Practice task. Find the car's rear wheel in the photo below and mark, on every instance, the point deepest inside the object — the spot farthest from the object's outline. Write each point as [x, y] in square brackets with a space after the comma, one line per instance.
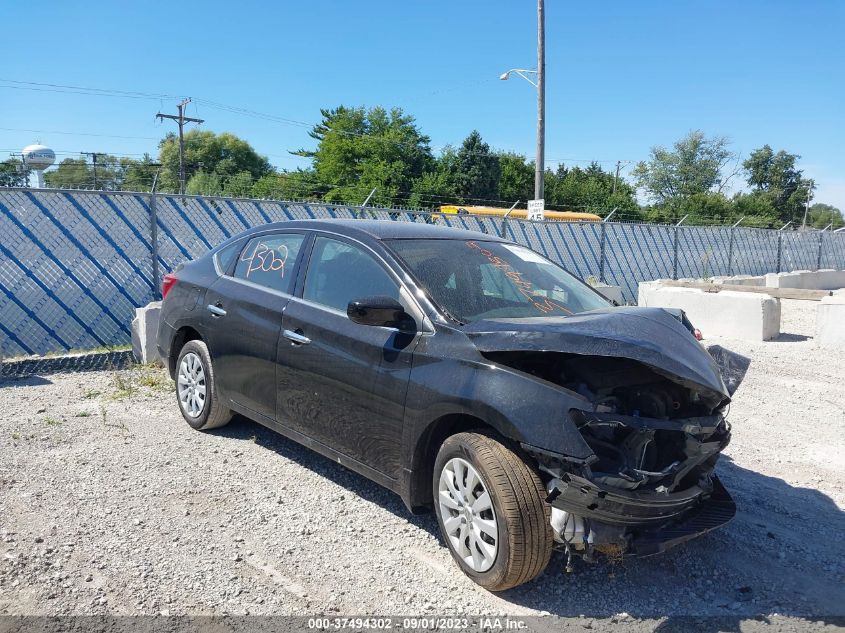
[196, 391]
[491, 510]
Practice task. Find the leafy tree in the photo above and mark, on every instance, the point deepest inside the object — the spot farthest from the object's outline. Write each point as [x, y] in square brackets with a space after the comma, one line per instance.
[437, 187]
[138, 175]
[12, 174]
[588, 189]
[755, 209]
[775, 179]
[516, 178]
[360, 149]
[224, 154]
[477, 170]
[203, 183]
[823, 214]
[696, 164]
[288, 185]
[239, 185]
[71, 173]
[112, 174]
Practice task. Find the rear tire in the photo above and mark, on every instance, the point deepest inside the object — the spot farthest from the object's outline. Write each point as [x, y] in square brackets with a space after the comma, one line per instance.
[196, 389]
[518, 513]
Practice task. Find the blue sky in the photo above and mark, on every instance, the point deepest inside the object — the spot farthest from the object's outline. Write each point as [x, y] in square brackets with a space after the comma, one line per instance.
[621, 76]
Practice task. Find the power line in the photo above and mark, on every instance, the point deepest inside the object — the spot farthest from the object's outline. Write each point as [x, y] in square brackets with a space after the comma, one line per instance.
[143, 138]
[31, 85]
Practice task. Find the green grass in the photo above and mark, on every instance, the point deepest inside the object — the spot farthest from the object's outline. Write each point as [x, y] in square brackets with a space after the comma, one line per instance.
[83, 414]
[91, 393]
[50, 421]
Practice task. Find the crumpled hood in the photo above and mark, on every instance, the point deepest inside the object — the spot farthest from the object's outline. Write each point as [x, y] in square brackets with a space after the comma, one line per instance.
[652, 336]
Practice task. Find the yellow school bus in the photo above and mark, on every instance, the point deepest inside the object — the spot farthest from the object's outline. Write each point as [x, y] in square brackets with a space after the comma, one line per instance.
[521, 214]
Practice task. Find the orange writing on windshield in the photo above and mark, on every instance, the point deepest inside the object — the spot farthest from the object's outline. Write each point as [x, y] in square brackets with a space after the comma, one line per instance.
[525, 287]
[266, 259]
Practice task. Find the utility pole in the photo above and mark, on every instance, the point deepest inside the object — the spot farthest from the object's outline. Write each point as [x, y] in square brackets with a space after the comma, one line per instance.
[541, 100]
[807, 206]
[619, 164]
[93, 156]
[616, 177]
[181, 119]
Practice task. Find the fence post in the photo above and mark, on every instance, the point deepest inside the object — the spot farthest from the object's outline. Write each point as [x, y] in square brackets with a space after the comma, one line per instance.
[675, 255]
[819, 258]
[601, 252]
[780, 246]
[731, 251]
[154, 246]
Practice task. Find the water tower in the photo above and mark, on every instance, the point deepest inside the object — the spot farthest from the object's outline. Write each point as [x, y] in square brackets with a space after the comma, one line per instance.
[38, 158]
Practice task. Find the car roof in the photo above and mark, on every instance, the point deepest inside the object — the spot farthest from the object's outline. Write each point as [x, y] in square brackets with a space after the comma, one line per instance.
[385, 229]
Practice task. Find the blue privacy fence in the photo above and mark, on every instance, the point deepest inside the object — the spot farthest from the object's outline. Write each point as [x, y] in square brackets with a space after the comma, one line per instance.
[75, 264]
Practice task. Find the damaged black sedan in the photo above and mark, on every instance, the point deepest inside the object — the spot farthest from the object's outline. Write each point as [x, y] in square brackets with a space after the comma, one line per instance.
[467, 373]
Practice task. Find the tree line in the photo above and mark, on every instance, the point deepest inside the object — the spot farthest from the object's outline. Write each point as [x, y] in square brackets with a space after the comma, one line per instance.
[358, 150]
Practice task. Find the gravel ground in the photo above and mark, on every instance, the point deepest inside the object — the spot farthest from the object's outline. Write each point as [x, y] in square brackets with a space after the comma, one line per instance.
[111, 504]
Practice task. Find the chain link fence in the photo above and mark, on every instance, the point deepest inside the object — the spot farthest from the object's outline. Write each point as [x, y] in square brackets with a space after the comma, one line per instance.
[75, 264]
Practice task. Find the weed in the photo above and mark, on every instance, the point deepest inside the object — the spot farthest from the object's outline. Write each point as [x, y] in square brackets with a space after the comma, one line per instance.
[49, 421]
[90, 393]
[124, 384]
[16, 435]
[154, 380]
[116, 425]
[83, 414]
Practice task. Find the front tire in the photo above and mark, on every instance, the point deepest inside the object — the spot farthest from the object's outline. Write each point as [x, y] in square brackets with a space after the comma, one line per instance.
[196, 390]
[491, 510]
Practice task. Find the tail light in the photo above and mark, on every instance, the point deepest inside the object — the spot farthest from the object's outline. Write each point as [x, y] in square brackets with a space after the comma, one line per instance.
[167, 282]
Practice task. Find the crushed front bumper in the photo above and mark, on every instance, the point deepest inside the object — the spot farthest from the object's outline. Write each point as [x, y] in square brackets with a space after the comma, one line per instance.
[643, 523]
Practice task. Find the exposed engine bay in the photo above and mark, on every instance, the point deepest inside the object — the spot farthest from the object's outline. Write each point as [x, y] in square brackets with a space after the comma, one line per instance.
[655, 439]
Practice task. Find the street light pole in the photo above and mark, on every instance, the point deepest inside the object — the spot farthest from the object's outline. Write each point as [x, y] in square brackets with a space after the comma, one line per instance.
[540, 85]
[541, 101]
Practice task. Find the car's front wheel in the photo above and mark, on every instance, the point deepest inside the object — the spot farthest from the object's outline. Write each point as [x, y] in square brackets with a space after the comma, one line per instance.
[196, 390]
[491, 509]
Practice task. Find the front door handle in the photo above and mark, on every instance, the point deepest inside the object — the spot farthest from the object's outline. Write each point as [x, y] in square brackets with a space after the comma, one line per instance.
[216, 310]
[296, 337]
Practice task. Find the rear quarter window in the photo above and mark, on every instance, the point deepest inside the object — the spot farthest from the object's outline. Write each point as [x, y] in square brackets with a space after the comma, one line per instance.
[226, 256]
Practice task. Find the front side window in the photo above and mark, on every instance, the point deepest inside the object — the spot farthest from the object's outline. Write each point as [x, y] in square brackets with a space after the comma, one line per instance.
[473, 280]
[340, 272]
[268, 260]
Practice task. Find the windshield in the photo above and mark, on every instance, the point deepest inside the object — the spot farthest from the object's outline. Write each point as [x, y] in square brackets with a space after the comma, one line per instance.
[474, 280]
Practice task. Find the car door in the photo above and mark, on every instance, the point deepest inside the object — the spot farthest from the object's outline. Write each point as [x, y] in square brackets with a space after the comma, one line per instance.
[244, 319]
[342, 383]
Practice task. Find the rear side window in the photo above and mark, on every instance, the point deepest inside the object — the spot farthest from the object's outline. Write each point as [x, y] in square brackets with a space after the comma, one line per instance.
[269, 261]
[225, 256]
[340, 272]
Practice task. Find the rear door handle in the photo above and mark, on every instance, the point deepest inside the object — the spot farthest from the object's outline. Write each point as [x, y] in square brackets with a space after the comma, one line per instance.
[216, 310]
[296, 338]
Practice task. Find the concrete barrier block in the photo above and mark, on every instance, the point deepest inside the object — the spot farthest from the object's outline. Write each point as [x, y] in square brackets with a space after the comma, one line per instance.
[830, 322]
[614, 293]
[741, 280]
[826, 279]
[145, 332]
[731, 314]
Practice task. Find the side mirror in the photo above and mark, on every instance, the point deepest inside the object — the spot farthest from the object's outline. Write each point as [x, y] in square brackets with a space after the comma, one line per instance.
[381, 311]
